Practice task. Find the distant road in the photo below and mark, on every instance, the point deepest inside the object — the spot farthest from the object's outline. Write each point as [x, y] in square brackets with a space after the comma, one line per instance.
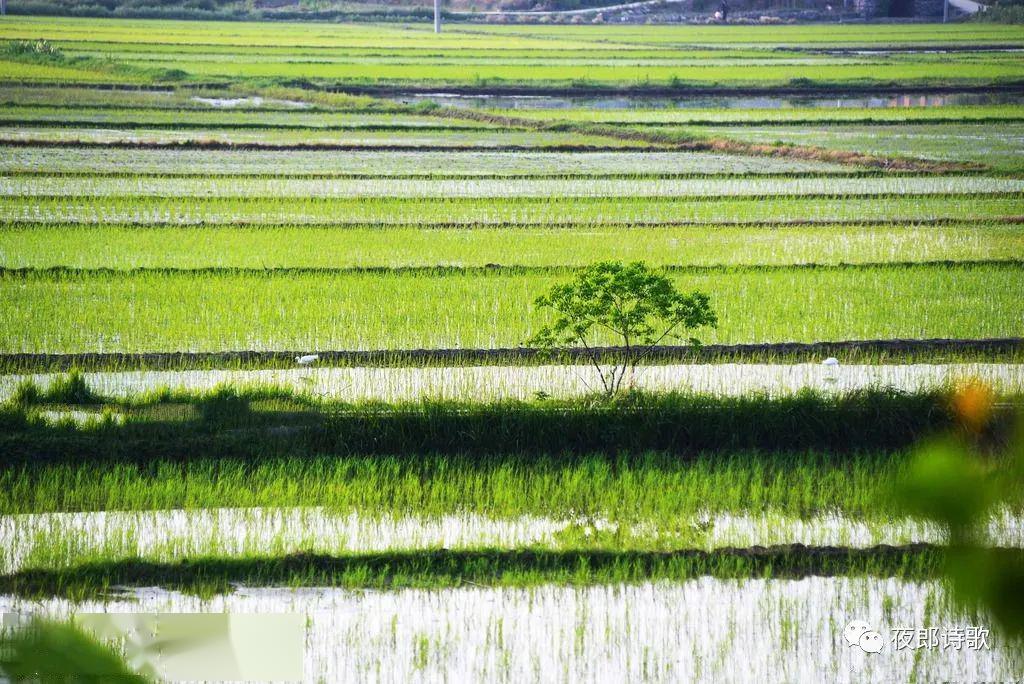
[966, 6]
[588, 10]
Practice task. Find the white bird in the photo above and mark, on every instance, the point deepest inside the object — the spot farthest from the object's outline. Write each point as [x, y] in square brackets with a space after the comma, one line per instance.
[307, 360]
[830, 361]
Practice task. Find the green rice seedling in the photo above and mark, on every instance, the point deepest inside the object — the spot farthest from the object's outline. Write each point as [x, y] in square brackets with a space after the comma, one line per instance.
[43, 246]
[610, 73]
[153, 311]
[128, 186]
[666, 116]
[187, 115]
[25, 394]
[995, 145]
[650, 486]
[224, 407]
[69, 389]
[455, 138]
[530, 211]
[183, 161]
[391, 56]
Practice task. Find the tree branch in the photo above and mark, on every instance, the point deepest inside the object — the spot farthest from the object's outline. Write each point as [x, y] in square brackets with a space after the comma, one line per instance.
[593, 359]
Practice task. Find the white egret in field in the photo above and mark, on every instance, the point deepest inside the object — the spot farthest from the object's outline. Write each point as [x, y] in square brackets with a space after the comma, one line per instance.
[831, 364]
[307, 359]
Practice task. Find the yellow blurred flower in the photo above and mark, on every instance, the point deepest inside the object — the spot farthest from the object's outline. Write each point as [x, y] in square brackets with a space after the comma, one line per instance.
[973, 401]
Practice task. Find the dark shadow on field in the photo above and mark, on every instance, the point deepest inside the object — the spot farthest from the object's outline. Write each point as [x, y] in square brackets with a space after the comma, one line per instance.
[225, 423]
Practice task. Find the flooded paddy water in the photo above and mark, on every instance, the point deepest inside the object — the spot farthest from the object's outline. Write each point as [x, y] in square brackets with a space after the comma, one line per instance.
[62, 539]
[524, 382]
[701, 630]
[759, 101]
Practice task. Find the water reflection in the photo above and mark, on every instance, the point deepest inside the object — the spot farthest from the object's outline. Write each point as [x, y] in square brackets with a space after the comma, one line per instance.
[483, 101]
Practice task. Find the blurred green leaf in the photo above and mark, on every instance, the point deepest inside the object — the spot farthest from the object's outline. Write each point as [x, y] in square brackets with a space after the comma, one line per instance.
[46, 652]
[950, 483]
[946, 484]
[992, 578]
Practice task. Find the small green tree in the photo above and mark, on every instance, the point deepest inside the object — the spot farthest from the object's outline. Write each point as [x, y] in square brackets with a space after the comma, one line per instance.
[633, 303]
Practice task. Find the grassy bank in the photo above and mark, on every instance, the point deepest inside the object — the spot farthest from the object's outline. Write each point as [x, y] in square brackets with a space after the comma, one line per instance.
[443, 569]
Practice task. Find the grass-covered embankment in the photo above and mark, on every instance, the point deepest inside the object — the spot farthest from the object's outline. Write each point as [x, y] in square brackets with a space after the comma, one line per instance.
[1007, 350]
[443, 569]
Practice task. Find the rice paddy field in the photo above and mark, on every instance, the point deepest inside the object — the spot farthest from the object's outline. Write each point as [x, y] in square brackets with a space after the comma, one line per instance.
[189, 208]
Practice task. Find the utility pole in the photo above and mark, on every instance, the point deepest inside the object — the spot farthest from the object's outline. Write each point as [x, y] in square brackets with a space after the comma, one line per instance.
[945, 11]
[3, 7]
[437, 15]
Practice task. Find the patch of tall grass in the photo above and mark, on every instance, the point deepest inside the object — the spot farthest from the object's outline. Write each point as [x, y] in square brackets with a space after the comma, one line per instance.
[66, 389]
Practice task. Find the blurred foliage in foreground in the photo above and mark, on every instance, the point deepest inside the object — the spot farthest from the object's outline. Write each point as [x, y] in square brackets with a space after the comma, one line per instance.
[44, 652]
[957, 480]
